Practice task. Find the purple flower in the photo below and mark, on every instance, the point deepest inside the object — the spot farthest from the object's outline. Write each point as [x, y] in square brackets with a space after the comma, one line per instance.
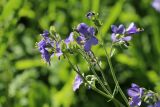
[136, 101]
[69, 39]
[42, 44]
[45, 55]
[118, 30]
[45, 46]
[58, 50]
[121, 34]
[156, 5]
[45, 34]
[117, 38]
[135, 92]
[87, 36]
[157, 104]
[42, 49]
[89, 15]
[48, 40]
[132, 29]
[118, 33]
[82, 28]
[77, 82]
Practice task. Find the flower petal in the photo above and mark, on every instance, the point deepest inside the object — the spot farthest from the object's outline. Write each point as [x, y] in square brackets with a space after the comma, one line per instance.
[45, 34]
[156, 5]
[69, 39]
[113, 37]
[121, 29]
[58, 50]
[91, 31]
[133, 85]
[82, 29]
[136, 101]
[157, 104]
[127, 38]
[114, 28]
[132, 92]
[92, 41]
[77, 82]
[80, 40]
[132, 29]
[45, 55]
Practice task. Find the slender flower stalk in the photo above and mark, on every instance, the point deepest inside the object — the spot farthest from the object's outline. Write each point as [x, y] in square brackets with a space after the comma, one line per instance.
[99, 80]
[94, 72]
[102, 73]
[93, 87]
[114, 77]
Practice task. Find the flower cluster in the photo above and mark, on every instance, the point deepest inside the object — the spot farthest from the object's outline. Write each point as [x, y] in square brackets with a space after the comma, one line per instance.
[138, 94]
[49, 47]
[122, 35]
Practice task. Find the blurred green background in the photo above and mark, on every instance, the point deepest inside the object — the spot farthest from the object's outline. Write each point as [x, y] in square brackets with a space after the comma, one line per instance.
[26, 81]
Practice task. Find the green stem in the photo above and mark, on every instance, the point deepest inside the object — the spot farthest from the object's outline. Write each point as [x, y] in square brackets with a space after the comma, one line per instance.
[94, 72]
[94, 88]
[101, 83]
[114, 77]
[111, 50]
[105, 95]
[102, 73]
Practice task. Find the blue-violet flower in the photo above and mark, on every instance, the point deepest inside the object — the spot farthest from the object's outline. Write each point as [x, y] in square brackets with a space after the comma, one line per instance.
[69, 39]
[136, 93]
[156, 5]
[120, 33]
[77, 82]
[42, 49]
[87, 36]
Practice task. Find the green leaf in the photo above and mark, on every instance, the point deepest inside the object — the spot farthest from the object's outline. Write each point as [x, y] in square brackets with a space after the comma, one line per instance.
[28, 63]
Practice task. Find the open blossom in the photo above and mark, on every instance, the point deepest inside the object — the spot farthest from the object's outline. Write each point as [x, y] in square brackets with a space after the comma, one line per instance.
[120, 33]
[87, 36]
[135, 93]
[77, 82]
[156, 5]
